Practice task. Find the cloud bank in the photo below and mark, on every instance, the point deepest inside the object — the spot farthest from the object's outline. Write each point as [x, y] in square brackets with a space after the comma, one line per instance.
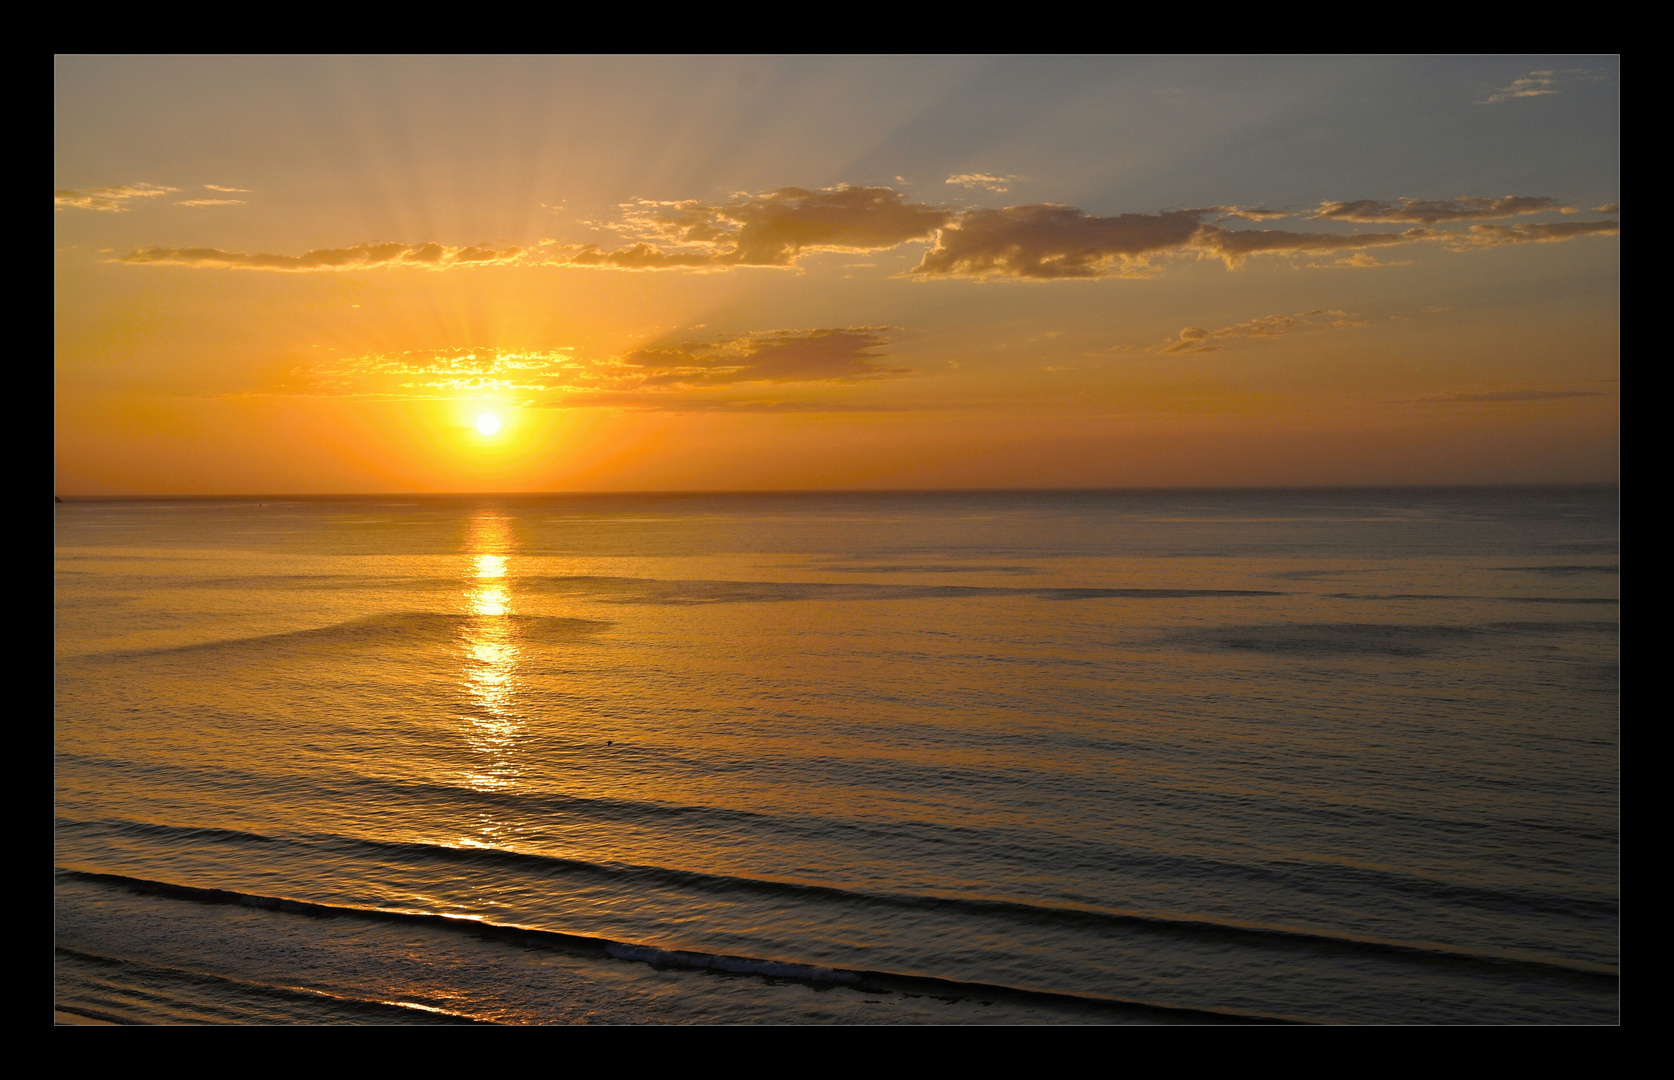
[1040, 242]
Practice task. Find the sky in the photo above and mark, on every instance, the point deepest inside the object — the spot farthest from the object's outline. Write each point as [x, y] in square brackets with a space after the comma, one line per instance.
[459, 274]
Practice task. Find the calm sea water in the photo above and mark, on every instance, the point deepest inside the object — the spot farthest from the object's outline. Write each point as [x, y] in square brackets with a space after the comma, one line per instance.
[1344, 756]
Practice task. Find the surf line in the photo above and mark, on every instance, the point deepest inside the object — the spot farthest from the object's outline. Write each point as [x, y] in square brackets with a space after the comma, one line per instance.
[865, 981]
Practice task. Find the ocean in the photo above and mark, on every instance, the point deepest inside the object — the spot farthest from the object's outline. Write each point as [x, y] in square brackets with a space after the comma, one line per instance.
[1336, 756]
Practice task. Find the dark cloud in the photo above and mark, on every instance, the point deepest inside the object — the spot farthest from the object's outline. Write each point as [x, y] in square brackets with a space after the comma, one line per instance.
[1052, 242]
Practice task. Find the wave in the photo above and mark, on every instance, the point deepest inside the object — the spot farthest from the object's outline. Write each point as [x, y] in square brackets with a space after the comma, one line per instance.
[627, 590]
[1247, 935]
[1355, 883]
[1385, 639]
[1501, 599]
[925, 568]
[861, 979]
[392, 628]
[151, 972]
[1325, 639]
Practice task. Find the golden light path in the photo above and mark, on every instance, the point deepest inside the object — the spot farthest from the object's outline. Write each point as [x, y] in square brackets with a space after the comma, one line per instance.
[489, 657]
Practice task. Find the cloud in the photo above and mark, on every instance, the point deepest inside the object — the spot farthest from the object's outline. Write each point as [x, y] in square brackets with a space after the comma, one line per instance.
[1054, 242]
[1234, 246]
[1535, 233]
[1534, 84]
[1436, 211]
[210, 202]
[831, 355]
[1195, 339]
[1043, 242]
[233, 190]
[662, 371]
[444, 373]
[769, 229]
[1252, 213]
[107, 198]
[1608, 208]
[690, 404]
[983, 181]
[1358, 261]
[360, 257]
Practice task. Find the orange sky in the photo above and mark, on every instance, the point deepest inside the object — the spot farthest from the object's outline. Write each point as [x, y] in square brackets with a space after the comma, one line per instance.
[299, 275]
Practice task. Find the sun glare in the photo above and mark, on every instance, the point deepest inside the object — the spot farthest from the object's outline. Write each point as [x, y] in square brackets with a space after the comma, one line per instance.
[488, 423]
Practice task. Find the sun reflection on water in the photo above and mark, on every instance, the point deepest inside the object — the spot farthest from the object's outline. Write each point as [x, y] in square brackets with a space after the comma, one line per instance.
[490, 658]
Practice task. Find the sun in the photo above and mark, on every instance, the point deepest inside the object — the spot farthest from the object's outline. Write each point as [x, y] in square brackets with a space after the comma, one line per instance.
[488, 423]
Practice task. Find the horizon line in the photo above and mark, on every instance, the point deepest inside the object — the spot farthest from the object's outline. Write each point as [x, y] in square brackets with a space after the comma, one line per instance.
[578, 492]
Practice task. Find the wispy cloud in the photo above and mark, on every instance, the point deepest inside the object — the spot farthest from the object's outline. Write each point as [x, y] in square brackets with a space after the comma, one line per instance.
[1534, 84]
[210, 202]
[231, 190]
[1234, 246]
[1436, 211]
[1534, 233]
[684, 403]
[661, 371]
[107, 198]
[832, 355]
[1253, 213]
[1196, 339]
[1360, 260]
[984, 181]
[359, 257]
